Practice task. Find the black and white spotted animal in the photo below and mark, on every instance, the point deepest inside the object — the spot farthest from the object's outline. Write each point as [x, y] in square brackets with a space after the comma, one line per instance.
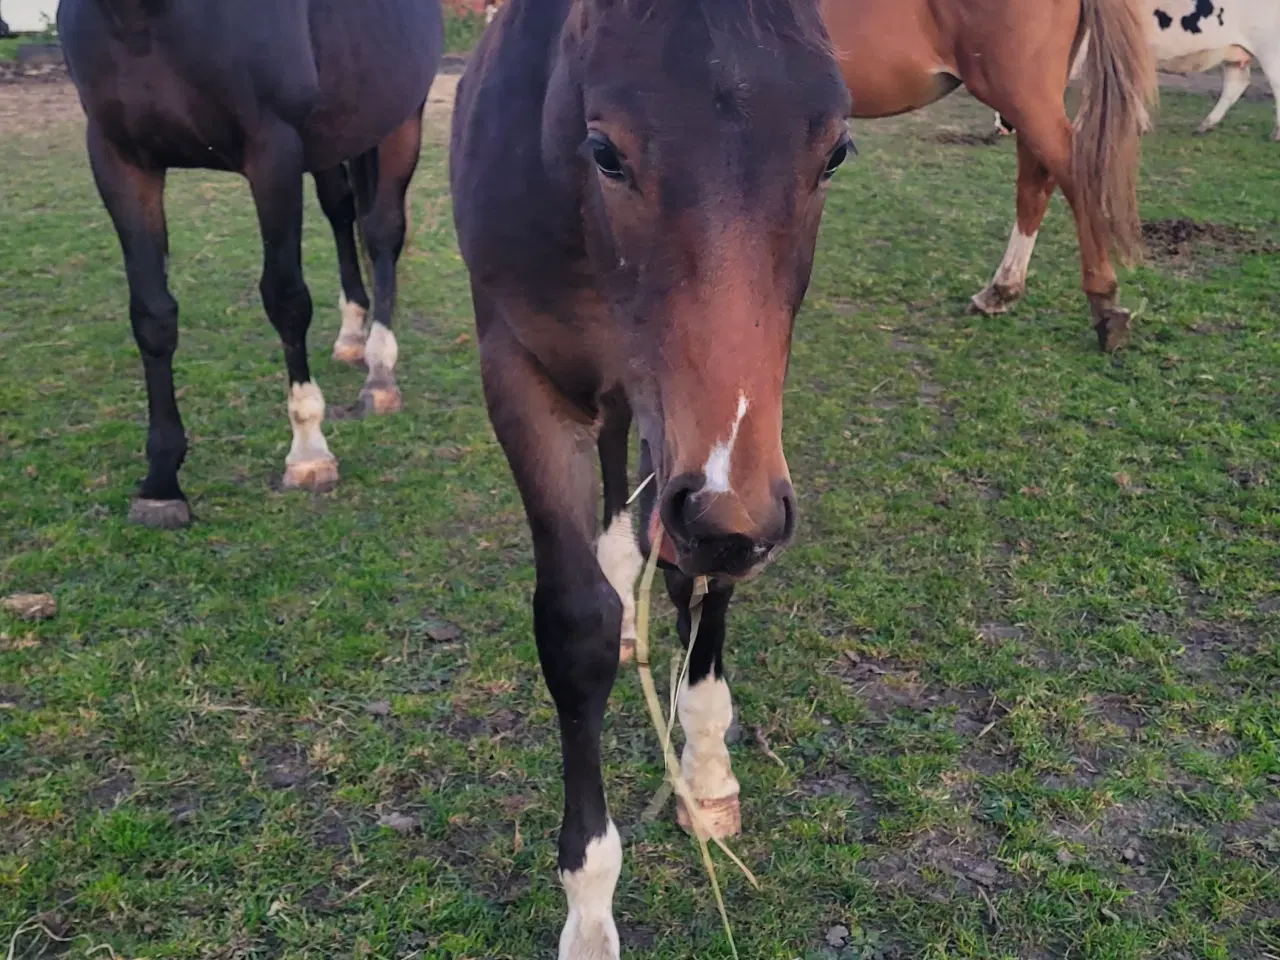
[1192, 36]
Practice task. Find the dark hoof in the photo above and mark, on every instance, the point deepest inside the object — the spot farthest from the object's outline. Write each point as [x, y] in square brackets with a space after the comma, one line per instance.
[160, 514]
[1113, 329]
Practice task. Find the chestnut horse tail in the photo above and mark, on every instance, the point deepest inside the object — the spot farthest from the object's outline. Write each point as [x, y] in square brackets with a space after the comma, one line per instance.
[1119, 82]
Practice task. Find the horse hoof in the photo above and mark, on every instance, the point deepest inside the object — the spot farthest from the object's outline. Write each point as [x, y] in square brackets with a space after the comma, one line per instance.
[1112, 328]
[1276, 135]
[350, 352]
[721, 817]
[315, 475]
[993, 300]
[627, 650]
[381, 400]
[160, 514]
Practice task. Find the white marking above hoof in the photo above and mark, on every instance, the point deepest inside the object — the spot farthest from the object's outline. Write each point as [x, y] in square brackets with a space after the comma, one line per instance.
[310, 465]
[619, 557]
[349, 347]
[589, 931]
[706, 713]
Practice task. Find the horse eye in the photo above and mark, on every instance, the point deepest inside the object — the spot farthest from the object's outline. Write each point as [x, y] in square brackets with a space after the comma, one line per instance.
[838, 156]
[605, 154]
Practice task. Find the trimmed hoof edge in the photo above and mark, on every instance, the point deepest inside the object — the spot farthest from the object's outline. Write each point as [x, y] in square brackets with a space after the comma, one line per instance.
[160, 514]
[317, 476]
[350, 352]
[721, 816]
[993, 300]
[627, 650]
[381, 400]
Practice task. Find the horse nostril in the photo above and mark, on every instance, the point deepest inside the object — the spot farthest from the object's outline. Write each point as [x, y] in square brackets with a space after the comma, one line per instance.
[788, 498]
[676, 501]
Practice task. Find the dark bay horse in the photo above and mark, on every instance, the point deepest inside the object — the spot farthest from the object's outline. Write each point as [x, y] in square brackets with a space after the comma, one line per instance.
[1014, 56]
[271, 91]
[637, 187]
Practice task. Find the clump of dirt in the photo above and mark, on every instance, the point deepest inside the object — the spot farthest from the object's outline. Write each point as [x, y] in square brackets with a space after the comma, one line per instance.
[1180, 241]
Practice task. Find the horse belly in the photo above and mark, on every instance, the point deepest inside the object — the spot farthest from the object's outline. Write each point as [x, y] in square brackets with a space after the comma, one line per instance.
[889, 54]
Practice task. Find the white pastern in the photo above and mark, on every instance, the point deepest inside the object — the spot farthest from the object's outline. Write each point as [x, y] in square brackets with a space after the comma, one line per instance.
[352, 320]
[706, 712]
[589, 932]
[619, 558]
[719, 465]
[381, 352]
[1017, 258]
[306, 413]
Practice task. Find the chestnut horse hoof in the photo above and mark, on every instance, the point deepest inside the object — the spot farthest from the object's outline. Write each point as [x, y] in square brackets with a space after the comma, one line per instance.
[993, 300]
[160, 514]
[722, 817]
[1113, 328]
[350, 352]
[315, 475]
[381, 400]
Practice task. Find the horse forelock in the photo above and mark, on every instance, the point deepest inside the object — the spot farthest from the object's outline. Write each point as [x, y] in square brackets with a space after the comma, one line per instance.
[794, 20]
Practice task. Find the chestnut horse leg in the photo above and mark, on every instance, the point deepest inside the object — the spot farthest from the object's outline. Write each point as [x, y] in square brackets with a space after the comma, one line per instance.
[1035, 187]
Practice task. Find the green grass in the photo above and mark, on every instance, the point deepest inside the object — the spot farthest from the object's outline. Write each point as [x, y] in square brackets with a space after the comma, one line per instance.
[9, 47]
[462, 30]
[1057, 573]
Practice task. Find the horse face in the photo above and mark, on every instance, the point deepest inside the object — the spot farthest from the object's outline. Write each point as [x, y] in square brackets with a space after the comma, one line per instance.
[703, 196]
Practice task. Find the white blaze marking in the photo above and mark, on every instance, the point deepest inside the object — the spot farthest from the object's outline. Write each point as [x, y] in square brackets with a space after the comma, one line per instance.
[306, 413]
[352, 320]
[619, 558]
[1017, 257]
[720, 462]
[381, 351]
[589, 932]
[706, 711]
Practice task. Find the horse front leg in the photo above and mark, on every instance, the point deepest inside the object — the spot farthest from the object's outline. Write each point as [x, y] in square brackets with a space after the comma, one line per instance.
[384, 228]
[337, 200]
[577, 617]
[275, 170]
[705, 709]
[134, 198]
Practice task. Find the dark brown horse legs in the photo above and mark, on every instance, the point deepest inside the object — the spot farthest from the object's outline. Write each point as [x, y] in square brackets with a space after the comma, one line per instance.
[1035, 187]
[577, 618]
[275, 176]
[135, 200]
[337, 200]
[384, 230]
[706, 709]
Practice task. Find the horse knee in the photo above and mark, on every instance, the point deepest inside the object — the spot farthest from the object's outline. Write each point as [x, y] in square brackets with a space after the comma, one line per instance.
[578, 631]
[155, 326]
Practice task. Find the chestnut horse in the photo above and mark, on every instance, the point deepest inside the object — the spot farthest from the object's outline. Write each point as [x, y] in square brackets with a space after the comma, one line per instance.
[271, 91]
[1014, 56]
[637, 188]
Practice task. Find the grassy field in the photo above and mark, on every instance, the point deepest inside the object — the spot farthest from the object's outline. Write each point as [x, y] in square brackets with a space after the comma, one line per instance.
[1020, 669]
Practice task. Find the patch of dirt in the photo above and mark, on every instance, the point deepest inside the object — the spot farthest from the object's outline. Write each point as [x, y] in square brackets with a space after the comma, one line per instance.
[29, 108]
[112, 791]
[332, 830]
[286, 766]
[942, 866]
[1182, 243]
[501, 723]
